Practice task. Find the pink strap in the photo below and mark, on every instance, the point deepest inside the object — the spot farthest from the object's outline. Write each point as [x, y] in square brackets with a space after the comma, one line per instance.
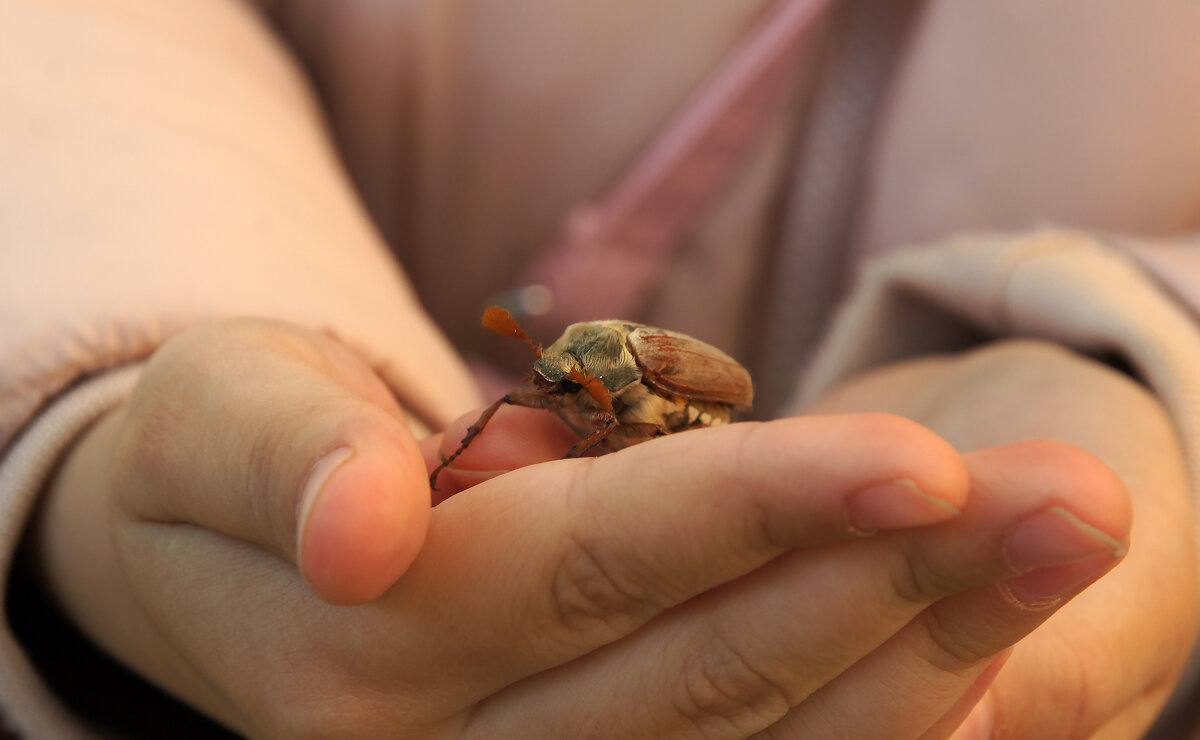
[611, 252]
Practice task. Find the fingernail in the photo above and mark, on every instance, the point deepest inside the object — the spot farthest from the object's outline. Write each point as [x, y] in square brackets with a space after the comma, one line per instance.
[1056, 552]
[314, 482]
[896, 504]
[1045, 587]
[1056, 536]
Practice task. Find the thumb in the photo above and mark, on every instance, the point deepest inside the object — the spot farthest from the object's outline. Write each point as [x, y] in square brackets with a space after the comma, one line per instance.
[360, 511]
[238, 432]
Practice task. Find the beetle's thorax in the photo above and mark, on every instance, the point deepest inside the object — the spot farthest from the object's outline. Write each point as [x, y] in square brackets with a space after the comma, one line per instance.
[593, 347]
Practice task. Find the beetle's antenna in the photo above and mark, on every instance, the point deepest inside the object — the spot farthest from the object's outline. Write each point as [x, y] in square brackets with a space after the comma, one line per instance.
[595, 387]
[502, 322]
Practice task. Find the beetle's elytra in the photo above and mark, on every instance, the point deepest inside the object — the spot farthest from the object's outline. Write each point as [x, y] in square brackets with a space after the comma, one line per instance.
[617, 383]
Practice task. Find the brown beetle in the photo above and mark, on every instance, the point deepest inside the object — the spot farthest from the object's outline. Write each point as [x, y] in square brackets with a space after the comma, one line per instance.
[617, 383]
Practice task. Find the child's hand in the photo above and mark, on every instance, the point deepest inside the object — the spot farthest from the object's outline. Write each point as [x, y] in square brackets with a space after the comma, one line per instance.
[917, 621]
[1104, 665]
[707, 584]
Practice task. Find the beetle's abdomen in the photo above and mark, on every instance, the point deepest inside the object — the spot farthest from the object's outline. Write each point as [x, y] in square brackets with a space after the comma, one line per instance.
[640, 404]
[705, 414]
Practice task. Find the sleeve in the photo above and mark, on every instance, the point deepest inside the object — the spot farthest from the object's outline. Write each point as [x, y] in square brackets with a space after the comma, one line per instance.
[161, 165]
[1098, 295]
[29, 707]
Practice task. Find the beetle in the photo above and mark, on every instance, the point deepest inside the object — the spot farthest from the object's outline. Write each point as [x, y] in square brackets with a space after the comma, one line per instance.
[617, 383]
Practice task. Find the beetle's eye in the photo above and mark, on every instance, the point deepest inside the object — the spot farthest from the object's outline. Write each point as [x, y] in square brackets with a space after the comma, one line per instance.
[570, 386]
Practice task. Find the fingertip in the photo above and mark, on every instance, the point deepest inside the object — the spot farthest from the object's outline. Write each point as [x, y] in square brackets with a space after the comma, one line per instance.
[907, 451]
[1060, 474]
[1097, 487]
[366, 524]
[514, 438]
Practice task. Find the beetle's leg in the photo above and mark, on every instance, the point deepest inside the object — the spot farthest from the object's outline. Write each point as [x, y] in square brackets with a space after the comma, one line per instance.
[472, 432]
[534, 399]
[582, 446]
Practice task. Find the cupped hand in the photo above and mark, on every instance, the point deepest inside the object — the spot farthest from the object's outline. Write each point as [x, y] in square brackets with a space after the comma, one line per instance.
[1103, 665]
[252, 531]
[896, 635]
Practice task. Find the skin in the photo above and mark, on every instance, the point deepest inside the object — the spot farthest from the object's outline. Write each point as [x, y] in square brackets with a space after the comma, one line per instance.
[719, 583]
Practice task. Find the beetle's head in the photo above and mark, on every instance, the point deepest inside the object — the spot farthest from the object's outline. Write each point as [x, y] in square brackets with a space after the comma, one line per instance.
[551, 370]
[589, 356]
[590, 348]
[570, 379]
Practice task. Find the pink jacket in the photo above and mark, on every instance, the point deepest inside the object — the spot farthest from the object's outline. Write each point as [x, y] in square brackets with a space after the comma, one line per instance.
[162, 164]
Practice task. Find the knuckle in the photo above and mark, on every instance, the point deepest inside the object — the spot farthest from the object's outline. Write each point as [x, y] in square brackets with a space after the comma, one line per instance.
[1008, 350]
[1027, 360]
[594, 587]
[722, 691]
[189, 387]
[145, 444]
[914, 580]
[216, 348]
[949, 648]
[588, 590]
[265, 471]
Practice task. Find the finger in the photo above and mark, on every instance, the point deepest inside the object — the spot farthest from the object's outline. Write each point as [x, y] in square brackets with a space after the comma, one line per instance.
[805, 631]
[1066, 518]
[972, 707]
[1105, 664]
[277, 437]
[575, 554]
[515, 437]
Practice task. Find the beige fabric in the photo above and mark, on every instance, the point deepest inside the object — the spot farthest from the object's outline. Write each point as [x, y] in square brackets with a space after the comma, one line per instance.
[27, 464]
[165, 162]
[233, 202]
[502, 116]
[1010, 114]
[1015, 114]
[1062, 286]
